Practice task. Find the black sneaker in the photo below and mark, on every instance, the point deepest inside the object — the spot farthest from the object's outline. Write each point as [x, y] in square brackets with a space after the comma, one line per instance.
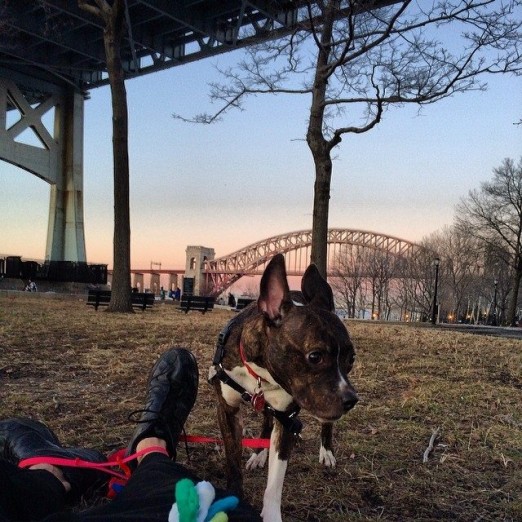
[22, 438]
[8, 428]
[171, 394]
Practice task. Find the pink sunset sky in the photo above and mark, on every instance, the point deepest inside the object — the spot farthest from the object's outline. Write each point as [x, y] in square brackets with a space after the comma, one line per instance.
[251, 176]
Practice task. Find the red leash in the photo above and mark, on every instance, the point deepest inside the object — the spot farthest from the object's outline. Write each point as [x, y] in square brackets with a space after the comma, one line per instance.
[247, 366]
[118, 460]
[247, 443]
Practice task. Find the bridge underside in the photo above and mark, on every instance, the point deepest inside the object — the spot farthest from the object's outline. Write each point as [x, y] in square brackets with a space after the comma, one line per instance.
[56, 41]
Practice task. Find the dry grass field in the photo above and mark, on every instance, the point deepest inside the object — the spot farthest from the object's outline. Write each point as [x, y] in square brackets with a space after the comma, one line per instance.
[83, 371]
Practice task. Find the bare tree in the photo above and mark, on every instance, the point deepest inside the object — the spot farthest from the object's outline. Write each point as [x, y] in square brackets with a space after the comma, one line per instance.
[496, 281]
[348, 276]
[494, 215]
[362, 300]
[421, 280]
[460, 259]
[356, 58]
[380, 269]
[403, 296]
[113, 16]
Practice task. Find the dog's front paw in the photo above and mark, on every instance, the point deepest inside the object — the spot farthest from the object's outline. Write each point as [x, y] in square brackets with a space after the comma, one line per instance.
[327, 458]
[271, 513]
[257, 460]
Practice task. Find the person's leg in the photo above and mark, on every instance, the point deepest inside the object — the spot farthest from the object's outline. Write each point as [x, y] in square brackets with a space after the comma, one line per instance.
[149, 494]
[148, 497]
[171, 393]
[32, 493]
[27, 494]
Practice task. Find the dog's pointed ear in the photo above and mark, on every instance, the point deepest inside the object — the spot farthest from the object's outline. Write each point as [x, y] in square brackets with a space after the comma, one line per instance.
[274, 289]
[316, 290]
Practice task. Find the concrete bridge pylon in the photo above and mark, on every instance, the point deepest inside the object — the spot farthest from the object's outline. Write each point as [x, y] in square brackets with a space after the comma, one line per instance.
[58, 160]
[194, 280]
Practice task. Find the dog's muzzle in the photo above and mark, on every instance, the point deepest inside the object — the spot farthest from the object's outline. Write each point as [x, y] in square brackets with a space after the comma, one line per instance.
[350, 401]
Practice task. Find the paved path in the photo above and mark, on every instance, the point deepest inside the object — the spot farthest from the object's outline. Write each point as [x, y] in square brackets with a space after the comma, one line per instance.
[498, 331]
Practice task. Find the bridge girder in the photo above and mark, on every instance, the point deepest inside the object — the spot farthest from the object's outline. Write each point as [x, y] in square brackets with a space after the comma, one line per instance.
[224, 271]
[55, 40]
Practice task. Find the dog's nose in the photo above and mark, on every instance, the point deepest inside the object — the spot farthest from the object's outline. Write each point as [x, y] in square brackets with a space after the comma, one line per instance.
[350, 401]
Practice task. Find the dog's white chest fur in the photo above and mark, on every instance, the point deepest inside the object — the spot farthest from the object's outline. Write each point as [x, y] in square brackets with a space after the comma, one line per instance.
[273, 393]
[279, 400]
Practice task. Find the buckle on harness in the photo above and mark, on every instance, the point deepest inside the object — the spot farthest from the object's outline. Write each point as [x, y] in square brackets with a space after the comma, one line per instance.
[258, 398]
[289, 420]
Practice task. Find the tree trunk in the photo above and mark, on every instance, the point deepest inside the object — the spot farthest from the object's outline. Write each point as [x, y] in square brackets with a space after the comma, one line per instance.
[319, 146]
[512, 310]
[121, 283]
[323, 177]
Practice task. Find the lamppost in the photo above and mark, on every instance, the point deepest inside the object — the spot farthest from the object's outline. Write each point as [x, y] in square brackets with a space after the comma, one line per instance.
[436, 262]
[495, 303]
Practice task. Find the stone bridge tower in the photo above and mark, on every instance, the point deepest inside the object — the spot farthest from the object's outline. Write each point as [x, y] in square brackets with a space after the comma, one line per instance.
[194, 280]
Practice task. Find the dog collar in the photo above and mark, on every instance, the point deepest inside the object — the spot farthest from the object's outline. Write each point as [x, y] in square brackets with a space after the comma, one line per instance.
[248, 367]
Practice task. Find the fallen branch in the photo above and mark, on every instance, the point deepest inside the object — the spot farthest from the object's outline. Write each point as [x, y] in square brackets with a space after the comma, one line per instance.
[429, 449]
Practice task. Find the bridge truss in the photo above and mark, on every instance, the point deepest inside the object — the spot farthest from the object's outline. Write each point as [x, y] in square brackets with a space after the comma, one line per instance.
[222, 272]
[56, 42]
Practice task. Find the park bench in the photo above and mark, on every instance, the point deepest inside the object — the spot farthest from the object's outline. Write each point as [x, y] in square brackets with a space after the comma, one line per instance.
[243, 302]
[99, 298]
[201, 303]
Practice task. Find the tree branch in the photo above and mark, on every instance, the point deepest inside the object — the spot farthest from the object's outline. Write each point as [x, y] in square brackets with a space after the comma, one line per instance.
[431, 443]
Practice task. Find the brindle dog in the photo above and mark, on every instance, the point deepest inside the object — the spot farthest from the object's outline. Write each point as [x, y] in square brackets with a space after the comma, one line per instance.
[288, 356]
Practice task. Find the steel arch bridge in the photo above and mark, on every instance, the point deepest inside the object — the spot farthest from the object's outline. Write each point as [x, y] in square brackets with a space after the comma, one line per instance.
[222, 272]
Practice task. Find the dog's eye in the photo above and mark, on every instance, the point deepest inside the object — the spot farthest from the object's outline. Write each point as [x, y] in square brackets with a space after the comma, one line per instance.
[315, 357]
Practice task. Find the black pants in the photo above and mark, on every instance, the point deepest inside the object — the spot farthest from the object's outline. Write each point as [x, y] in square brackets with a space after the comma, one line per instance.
[147, 497]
